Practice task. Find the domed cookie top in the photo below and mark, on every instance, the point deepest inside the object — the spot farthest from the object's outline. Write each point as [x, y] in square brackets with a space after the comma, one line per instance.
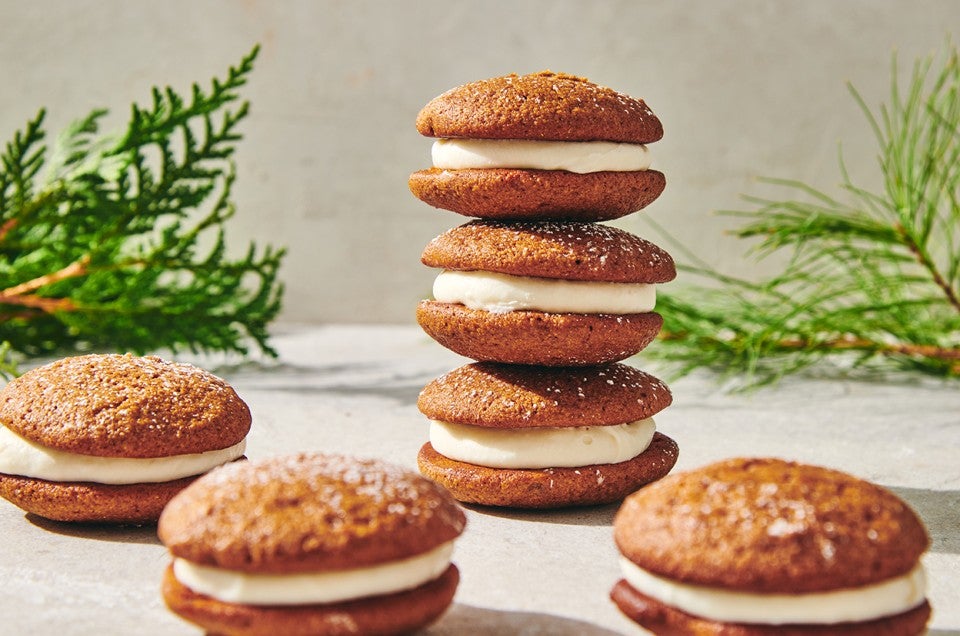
[563, 250]
[112, 405]
[547, 106]
[510, 396]
[769, 526]
[308, 512]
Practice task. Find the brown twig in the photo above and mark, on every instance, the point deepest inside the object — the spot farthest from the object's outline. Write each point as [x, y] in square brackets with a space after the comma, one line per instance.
[862, 344]
[925, 261]
[8, 225]
[23, 295]
[48, 305]
[856, 344]
[26, 314]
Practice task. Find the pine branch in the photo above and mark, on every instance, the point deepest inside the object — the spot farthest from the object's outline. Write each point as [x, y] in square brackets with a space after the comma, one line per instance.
[872, 279]
[122, 244]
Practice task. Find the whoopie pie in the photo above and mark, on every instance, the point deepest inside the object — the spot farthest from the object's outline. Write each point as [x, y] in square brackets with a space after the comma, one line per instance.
[112, 438]
[544, 145]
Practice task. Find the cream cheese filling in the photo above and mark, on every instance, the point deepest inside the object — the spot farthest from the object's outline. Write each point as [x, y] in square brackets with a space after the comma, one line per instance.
[314, 587]
[503, 293]
[573, 156]
[20, 456]
[870, 602]
[532, 448]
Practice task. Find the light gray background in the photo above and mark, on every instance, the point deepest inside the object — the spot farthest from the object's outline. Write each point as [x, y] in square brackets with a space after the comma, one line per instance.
[744, 88]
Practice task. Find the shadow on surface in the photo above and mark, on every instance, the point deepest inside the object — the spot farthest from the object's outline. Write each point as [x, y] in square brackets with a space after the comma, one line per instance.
[146, 534]
[480, 621]
[343, 380]
[402, 393]
[277, 369]
[940, 511]
[586, 516]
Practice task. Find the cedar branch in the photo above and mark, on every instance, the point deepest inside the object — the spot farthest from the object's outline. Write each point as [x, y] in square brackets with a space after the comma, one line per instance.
[154, 190]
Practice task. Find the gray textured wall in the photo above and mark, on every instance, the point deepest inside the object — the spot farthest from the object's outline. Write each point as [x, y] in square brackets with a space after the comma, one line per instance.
[744, 88]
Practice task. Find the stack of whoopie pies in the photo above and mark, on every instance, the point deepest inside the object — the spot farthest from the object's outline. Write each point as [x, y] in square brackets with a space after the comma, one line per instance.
[546, 298]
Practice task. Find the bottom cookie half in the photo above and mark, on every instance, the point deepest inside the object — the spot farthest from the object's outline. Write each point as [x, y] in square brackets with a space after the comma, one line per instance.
[89, 502]
[510, 193]
[536, 337]
[549, 487]
[398, 613]
[663, 619]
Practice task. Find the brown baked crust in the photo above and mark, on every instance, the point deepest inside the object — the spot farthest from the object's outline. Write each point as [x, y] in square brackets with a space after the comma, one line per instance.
[542, 105]
[88, 502]
[663, 619]
[547, 249]
[398, 613]
[308, 512]
[110, 405]
[549, 487]
[535, 337]
[811, 529]
[511, 396]
[515, 194]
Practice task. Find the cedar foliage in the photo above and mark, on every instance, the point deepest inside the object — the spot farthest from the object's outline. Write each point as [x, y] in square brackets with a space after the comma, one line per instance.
[118, 241]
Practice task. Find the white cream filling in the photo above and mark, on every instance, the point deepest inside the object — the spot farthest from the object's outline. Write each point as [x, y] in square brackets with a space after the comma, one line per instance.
[533, 448]
[314, 587]
[572, 156]
[19, 456]
[888, 598]
[503, 293]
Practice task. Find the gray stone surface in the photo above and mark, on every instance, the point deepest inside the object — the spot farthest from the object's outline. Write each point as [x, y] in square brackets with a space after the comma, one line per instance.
[353, 390]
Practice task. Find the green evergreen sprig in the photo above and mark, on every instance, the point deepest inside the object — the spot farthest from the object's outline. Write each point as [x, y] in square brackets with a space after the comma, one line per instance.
[118, 242]
[872, 278]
